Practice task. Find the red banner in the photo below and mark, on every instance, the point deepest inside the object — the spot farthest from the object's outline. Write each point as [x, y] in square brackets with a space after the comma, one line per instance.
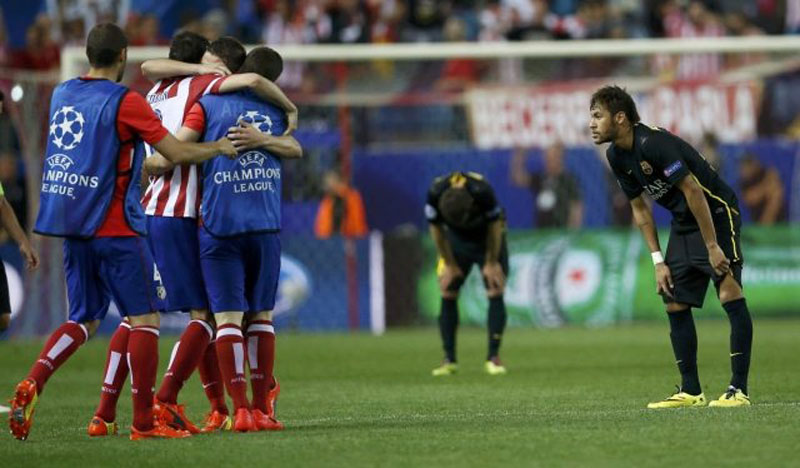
[541, 115]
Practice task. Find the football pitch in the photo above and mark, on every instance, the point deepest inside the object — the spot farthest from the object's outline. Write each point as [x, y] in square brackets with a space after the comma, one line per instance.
[573, 397]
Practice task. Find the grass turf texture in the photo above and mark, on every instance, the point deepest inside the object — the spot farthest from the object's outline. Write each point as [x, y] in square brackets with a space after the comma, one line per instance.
[572, 397]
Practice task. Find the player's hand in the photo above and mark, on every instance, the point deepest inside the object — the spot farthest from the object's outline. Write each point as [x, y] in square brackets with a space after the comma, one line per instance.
[291, 121]
[719, 262]
[30, 255]
[246, 137]
[227, 148]
[664, 280]
[448, 275]
[494, 276]
[212, 69]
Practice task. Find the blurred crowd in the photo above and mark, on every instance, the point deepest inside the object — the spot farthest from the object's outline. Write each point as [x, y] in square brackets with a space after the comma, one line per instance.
[64, 22]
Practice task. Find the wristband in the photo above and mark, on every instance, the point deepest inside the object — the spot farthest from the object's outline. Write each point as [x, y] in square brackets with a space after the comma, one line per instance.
[657, 257]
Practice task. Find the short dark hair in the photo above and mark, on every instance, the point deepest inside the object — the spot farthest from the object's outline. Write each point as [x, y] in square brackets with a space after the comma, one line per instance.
[616, 99]
[456, 206]
[230, 51]
[264, 61]
[188, 47]
[104, 44]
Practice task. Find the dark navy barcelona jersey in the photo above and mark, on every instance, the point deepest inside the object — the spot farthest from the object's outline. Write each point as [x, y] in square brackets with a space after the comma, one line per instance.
[487, 209]
[657, 162]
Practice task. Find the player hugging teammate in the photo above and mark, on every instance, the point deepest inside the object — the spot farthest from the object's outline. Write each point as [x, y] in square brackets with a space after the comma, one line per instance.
[104, 226]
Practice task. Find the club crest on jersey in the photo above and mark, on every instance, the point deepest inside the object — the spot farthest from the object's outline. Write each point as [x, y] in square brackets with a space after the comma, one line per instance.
[250, 158]
[61, 161]
[646, 167]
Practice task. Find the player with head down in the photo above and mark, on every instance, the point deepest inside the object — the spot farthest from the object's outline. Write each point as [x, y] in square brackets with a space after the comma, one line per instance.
[239, 235]
[171, 203]
[704, 240]
[468, 227]
[90, 196]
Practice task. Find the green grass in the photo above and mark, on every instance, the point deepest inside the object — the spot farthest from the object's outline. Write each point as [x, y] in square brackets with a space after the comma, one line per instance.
[573, 397]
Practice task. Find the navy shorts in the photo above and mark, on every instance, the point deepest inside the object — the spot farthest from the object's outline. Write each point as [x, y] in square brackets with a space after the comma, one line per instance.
[105, 268]
[173, 242]
[241, 273]
[687, 259]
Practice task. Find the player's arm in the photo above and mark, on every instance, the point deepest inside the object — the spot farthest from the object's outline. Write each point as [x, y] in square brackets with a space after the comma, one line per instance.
[157, 164]
[696, 200]
[264, 89]
[451, 271]
[181, 152]
[492, 270]
[487, 201]
[246, 137]
[158, 69]
[9, 220]
[643, 217]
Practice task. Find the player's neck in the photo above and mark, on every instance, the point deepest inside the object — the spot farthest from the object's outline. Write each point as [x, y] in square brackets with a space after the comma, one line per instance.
[103, 73]
[625, 139]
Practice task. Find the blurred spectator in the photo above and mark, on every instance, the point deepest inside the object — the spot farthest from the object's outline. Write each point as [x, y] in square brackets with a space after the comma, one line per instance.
[425, 20]
[41, 52]
[762, 191]
[457, 73]
[696, 21]
[341, 210]
[348, 22]
[144, 31]
[14, 186]
[386, 19]
[709, 149]
[215, 24]
[556, 193]
[792, 15]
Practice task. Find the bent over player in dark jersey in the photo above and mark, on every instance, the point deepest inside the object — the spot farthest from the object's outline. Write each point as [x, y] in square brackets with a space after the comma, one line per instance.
[703, 242]
[468, 227]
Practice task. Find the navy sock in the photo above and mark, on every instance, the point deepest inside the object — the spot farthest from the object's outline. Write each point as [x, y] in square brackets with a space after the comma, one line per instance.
[497, 324]
[448, 322]
[741, 341]
[684, 344]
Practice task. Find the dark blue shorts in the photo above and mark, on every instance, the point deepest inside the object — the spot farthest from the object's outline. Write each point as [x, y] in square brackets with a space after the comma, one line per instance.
[174, 245]
[105, 268]
[241, 273]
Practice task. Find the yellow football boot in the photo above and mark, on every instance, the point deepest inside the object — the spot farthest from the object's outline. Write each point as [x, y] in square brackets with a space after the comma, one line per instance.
[680, 399]
[447, 368]
[731, 398]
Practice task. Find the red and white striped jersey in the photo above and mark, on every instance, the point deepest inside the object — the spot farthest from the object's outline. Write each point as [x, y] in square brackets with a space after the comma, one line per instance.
[175, 193]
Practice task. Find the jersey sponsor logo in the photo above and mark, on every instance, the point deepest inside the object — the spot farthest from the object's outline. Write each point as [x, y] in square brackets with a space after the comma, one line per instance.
[66, 128]
[673, 168]
[646, 167]
[657, 189]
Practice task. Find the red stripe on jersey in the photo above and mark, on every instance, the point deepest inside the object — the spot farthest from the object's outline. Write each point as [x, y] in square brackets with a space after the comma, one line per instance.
[180, 203]
[163, 195]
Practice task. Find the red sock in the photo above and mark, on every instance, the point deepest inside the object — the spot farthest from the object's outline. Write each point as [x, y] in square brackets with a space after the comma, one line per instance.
[143, 364]
[261, 356]
[211, 378]
[59, 347]
[115, 373]
[186, 354]
[230, 351]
